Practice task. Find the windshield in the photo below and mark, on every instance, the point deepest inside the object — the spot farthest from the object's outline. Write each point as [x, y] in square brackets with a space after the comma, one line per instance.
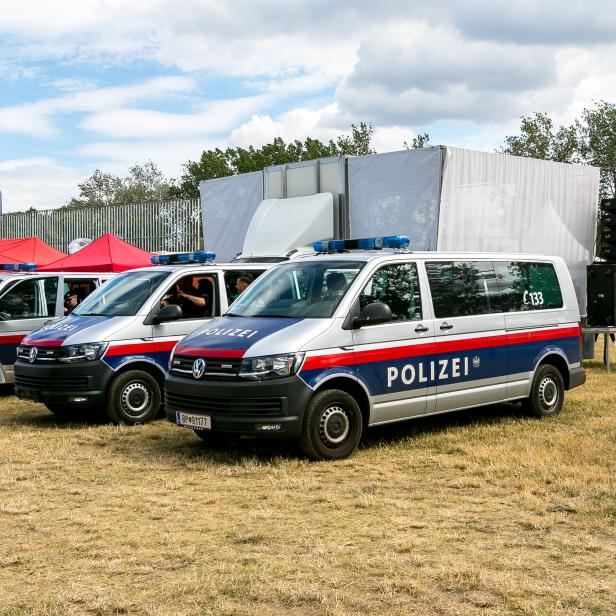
[122, 296]
[312, 289]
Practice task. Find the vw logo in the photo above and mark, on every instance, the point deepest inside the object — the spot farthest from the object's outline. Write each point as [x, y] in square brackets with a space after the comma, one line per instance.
[33, 354]
[198, 368]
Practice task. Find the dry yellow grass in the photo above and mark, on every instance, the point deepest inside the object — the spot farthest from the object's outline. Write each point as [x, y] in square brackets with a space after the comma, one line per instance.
[481, 512]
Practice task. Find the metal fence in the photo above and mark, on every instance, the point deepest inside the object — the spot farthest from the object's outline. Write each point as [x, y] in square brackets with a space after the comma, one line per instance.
[155, 225]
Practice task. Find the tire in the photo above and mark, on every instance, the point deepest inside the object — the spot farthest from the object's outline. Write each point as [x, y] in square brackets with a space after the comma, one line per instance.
[134, 398]
[332, 426]
[547, 393]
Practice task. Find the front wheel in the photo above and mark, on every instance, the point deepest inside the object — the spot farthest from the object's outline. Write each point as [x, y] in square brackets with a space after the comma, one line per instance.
[547, 393]
[134, 398]
[332, 426]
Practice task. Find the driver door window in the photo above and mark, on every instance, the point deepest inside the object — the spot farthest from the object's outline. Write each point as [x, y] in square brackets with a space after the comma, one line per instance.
[195, 294]
[396, 285]
[29, 299]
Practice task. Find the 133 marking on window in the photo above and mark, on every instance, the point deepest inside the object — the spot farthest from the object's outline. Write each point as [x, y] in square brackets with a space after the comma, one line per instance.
[534, 298]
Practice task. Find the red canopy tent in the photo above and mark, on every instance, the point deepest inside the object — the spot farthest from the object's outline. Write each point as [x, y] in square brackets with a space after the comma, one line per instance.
[106, 254]
[29, 250]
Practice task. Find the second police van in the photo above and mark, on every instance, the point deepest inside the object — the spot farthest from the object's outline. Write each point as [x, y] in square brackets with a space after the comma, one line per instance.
[322, 347]
[111, 353]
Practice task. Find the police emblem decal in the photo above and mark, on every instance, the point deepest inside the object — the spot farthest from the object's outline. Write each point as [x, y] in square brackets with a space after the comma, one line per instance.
[476, 361]
[33, 354]
[198, 368]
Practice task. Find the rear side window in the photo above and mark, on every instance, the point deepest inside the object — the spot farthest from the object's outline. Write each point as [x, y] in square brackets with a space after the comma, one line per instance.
[527, 286]
[461, 288]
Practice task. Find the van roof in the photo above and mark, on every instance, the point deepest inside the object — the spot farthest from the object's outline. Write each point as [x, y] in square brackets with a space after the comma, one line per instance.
[174, 267]
[371, 255]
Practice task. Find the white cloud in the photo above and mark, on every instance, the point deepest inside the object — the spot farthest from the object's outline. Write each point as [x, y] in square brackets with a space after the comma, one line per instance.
[36, 182]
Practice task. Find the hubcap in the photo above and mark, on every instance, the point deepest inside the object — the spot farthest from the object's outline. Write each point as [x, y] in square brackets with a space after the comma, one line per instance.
[135, 399]
[334, 426]
[548, 393]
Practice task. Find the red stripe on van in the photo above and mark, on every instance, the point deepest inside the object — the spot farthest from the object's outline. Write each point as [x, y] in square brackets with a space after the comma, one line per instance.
[12, 339]
[140, 348]
[44, 343]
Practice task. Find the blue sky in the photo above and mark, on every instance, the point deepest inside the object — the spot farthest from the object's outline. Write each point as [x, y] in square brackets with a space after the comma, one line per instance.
[106, 83]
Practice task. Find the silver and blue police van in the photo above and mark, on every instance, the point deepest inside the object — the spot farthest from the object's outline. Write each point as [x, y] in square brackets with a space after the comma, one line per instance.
[322, 347]
[30, 300]
[111, 353]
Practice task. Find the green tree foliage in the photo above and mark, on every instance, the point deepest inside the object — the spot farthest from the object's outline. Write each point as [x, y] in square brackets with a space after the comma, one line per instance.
[420, 141]
[221, 163]
[591, 140]
[144, 183]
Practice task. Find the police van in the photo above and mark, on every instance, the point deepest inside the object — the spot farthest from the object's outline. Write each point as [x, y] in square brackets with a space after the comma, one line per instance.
[112, 351]
[29, 300]
[322, 347]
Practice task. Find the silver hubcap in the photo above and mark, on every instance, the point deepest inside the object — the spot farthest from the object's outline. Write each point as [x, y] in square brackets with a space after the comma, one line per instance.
[548, 393]
[135, 399]
[334, 426]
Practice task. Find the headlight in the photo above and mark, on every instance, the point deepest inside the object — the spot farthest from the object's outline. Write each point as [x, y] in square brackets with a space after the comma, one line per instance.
[270, 367]
[81, 352]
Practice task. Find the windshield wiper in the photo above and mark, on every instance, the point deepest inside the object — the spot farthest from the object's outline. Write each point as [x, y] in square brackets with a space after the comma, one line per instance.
[89, 314]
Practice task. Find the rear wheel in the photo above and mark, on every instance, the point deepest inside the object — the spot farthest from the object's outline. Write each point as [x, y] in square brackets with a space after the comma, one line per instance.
[134, 398]
[332, 426]
[547, 392]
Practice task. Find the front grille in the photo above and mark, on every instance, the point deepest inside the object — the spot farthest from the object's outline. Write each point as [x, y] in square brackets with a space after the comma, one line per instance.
[215, 367]
[263, 407]
[43, 354]
[75, 383]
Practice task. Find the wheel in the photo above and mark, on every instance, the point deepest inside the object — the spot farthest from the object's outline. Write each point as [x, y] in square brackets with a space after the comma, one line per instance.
[547, 393]
[134, 398]
[332, 426]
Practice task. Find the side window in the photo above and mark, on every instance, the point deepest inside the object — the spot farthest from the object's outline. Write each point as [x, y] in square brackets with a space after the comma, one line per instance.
[75, 291]
[236, 282]
[527, 286]
[461, 288]
[396, 285]
[50, 286]
[195, 294]
[27, 300]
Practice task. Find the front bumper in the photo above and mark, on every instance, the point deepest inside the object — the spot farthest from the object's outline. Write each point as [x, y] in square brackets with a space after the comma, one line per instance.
[81, 385]
[273, 409]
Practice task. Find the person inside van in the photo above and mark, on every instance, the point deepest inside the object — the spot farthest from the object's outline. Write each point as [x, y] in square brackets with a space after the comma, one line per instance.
[197, 303]
[335, 282]
[71, 301]
[243, 282]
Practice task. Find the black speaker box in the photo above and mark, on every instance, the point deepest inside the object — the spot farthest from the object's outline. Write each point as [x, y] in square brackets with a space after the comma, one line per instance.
[608, 205]
[601, 295]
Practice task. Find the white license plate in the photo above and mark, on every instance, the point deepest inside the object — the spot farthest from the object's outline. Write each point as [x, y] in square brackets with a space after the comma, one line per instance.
[197, 422]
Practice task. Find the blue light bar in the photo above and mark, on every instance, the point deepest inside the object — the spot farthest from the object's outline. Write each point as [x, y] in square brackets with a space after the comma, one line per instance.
[200, 256]
[366, 243]
[18, 267]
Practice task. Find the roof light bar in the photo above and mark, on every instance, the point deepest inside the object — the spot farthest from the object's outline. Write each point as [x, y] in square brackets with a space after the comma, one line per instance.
[199, 256]
[18, 267]
[366, 243]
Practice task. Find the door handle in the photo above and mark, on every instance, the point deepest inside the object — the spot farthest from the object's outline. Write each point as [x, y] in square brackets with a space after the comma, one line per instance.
[420, 329]
[446, 325]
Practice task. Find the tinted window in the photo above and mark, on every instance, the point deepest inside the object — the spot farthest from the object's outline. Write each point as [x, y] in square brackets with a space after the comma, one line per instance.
[527, 286]
[29, 299]
[123, 295]
[396, 285]
[312, 289]
[236, 282]
[461, 288]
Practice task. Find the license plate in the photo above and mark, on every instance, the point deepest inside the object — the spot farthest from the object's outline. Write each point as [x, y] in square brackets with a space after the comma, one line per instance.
[197, 422]
[27, 394]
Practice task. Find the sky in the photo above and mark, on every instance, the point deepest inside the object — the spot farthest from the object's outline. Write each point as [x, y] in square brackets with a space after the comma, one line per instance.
[87, 84]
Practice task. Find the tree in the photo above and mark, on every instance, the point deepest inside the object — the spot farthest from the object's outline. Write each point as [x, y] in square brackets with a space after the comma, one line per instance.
[144, 183]
[420, 141]
[219, 163]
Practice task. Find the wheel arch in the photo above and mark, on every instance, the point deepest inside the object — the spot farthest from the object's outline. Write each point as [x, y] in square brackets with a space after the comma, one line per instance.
[559, 361]
[150, 367]
[353, 387]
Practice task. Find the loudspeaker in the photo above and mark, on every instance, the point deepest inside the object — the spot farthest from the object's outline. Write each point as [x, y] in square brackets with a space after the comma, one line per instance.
[601, 295]
[607, 218]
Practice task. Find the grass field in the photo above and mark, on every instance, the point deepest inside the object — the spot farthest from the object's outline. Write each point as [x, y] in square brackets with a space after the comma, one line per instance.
[481, 512]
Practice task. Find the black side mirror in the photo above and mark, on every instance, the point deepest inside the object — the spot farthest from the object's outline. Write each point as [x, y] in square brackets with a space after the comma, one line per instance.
[373, 314]
[170, 312]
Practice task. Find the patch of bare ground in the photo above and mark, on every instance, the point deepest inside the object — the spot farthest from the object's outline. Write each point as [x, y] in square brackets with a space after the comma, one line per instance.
[480, 512]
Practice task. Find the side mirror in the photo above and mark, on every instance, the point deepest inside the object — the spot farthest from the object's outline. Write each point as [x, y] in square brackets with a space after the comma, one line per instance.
[170, 312]
[373, 314]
